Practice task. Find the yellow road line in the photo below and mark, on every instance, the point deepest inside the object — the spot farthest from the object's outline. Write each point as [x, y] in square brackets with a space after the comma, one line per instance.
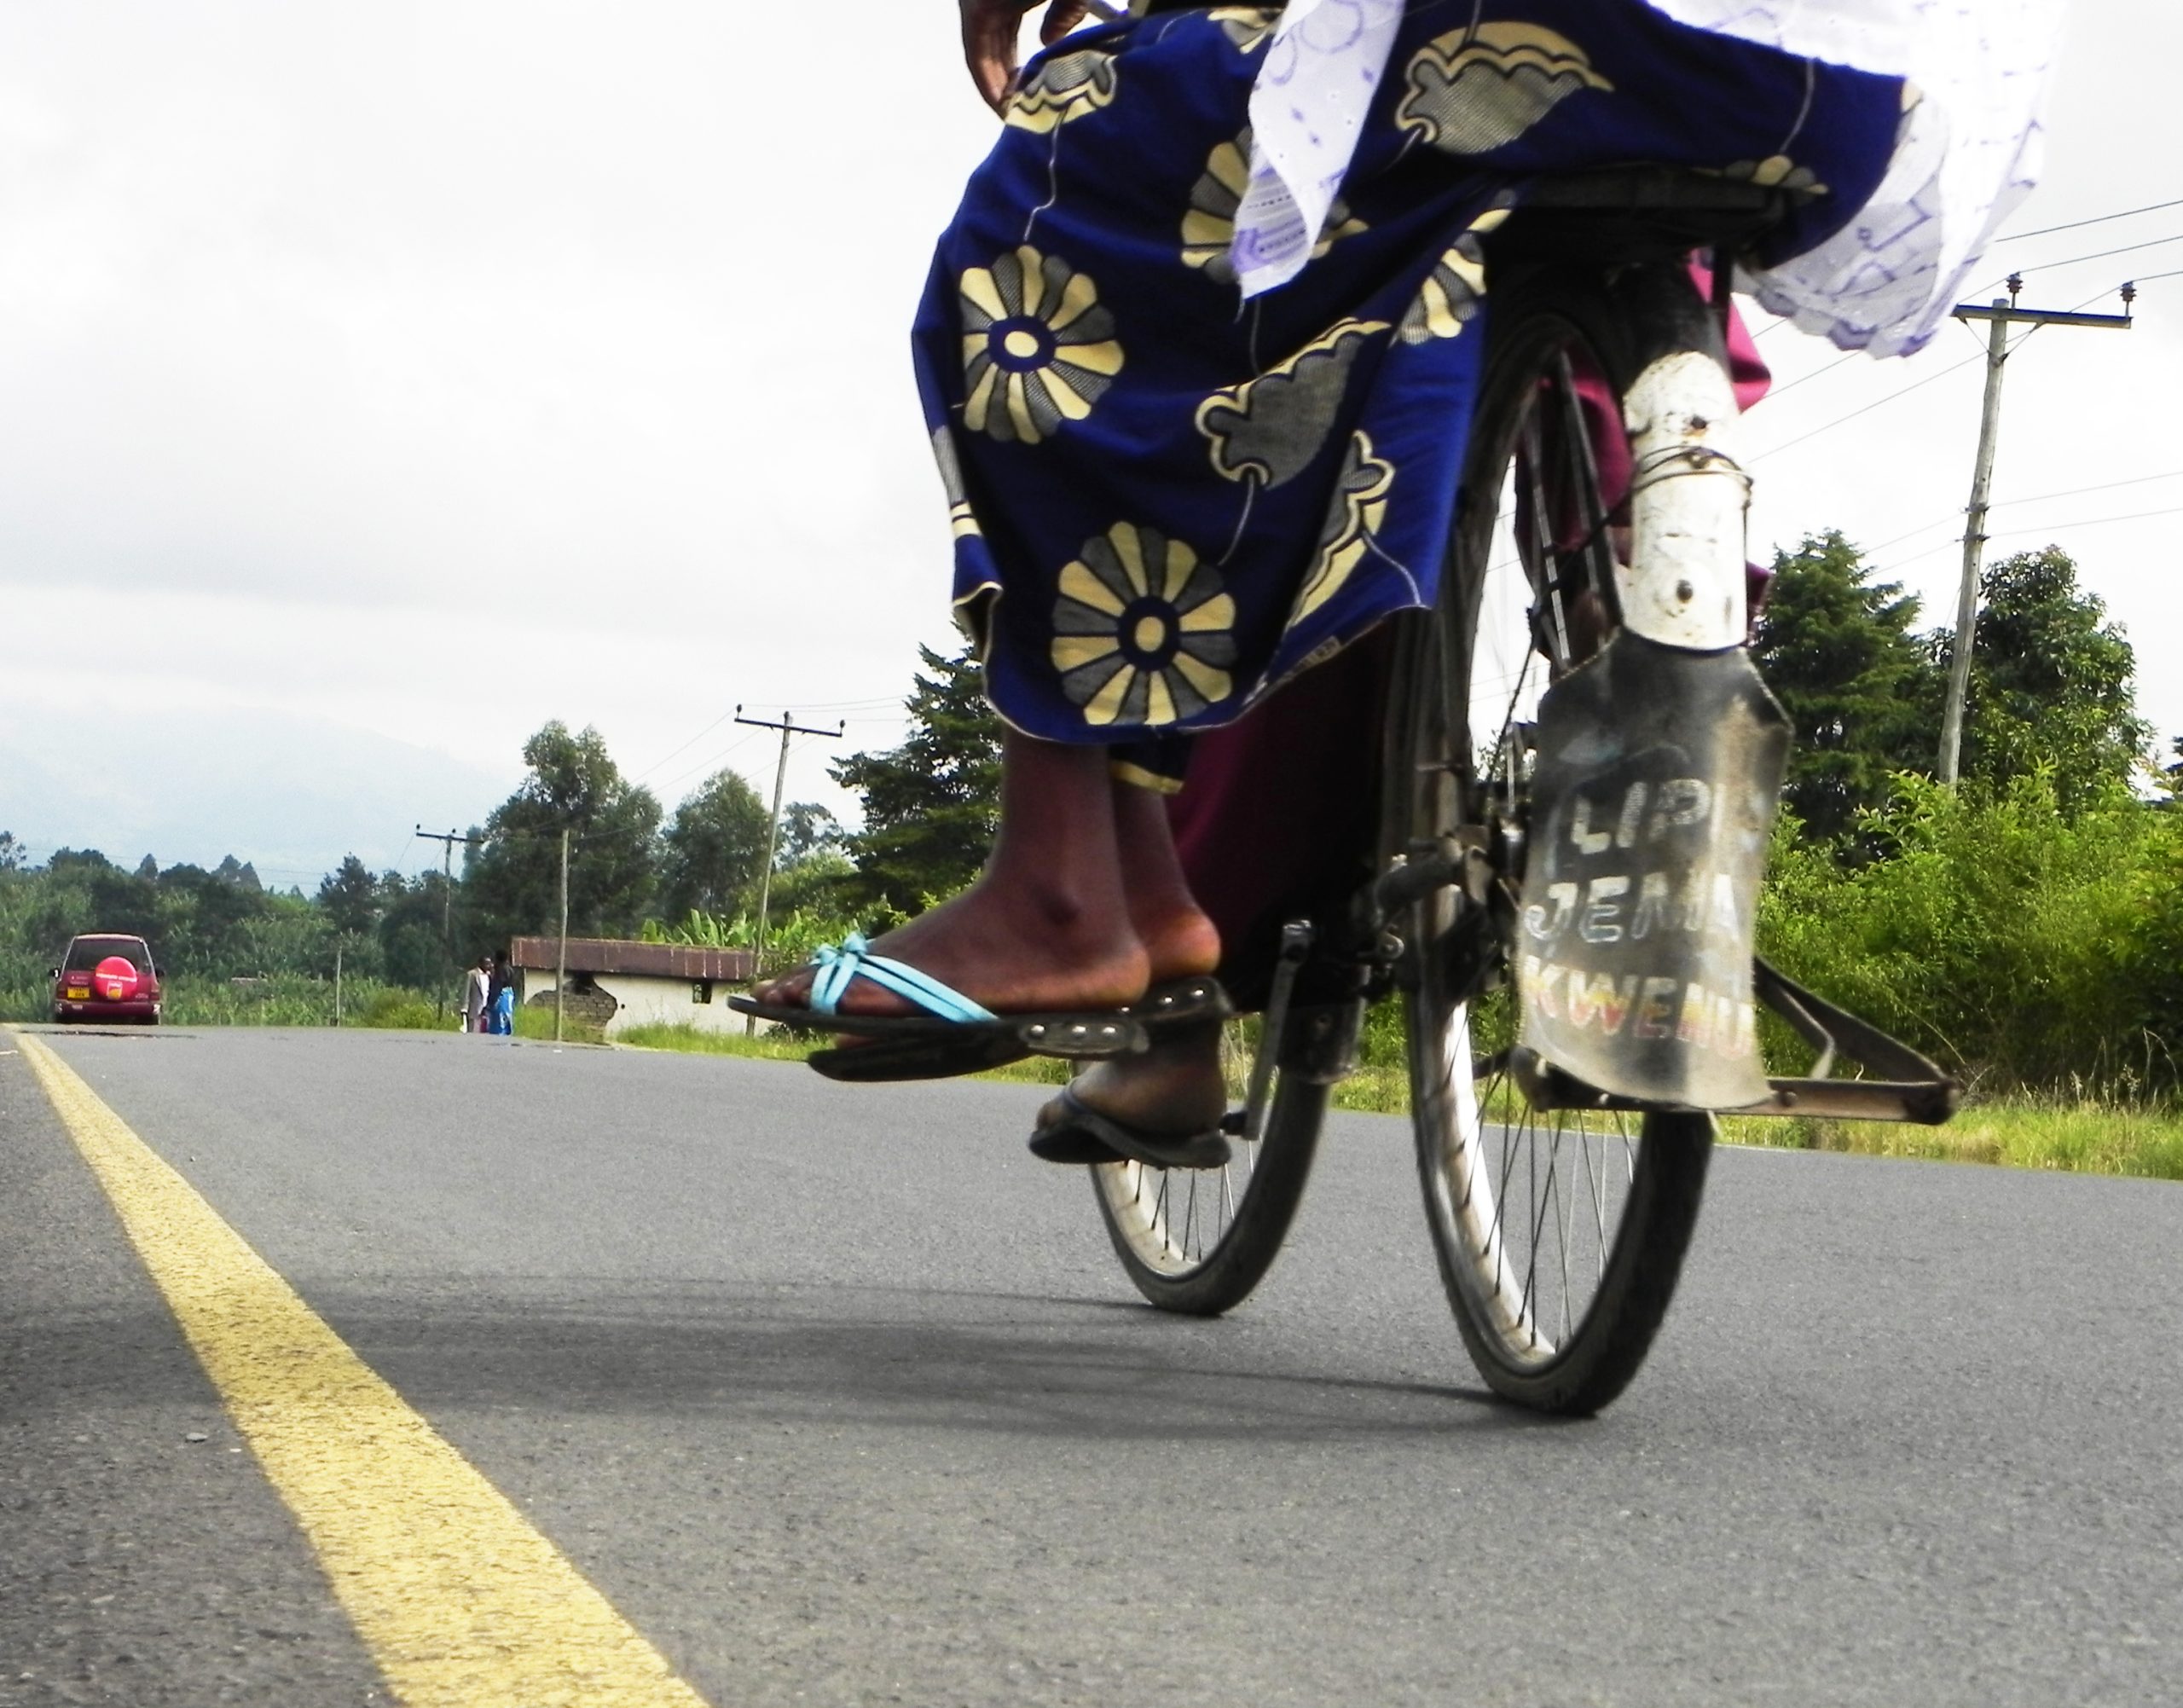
[460, 1601]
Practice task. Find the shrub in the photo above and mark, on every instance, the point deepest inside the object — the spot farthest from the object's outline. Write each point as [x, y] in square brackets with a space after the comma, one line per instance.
[396, 1009]
[2017, 946]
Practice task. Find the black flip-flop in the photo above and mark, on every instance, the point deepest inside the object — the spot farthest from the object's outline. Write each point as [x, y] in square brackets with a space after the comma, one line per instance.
[1080, 1135]
[944, 1057]
[945, 1050]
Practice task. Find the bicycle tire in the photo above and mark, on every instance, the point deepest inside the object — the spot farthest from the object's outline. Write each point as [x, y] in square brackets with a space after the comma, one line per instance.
[1573, 1352]
[1247, 1217]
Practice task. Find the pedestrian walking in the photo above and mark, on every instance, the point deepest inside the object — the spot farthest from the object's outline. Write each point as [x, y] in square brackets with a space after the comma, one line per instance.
[500, 1013]
[476, 987]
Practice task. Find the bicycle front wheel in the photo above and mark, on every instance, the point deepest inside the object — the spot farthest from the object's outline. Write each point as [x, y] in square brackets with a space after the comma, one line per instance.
[1559, 1234]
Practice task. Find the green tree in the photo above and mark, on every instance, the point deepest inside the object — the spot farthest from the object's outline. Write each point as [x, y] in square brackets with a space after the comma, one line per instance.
[412, 950]
[930, 805]
[2051, 683]
[1837, 649]
[511, 881]
[202, 918]
[350, 897]
[712, 848]
[807, 829]
[11, 852]
[238, 872]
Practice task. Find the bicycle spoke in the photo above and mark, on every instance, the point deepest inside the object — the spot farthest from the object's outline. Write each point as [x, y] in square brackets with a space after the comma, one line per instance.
[1186, 1228]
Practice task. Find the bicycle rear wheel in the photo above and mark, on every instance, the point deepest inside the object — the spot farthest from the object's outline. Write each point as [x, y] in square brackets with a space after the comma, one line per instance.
[1560, 1235]
[1198, 1241]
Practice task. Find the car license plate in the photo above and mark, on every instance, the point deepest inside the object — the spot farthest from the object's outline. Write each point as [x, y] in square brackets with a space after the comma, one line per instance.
[78, 992]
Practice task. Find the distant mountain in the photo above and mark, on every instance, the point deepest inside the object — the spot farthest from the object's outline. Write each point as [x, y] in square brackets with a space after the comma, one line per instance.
[290, 795]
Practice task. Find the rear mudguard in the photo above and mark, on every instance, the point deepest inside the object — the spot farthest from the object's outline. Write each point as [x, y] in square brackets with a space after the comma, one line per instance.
[1653, 798]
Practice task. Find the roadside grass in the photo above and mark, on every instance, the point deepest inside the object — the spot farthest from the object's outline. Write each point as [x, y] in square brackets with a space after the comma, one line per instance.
[278, 1000]
[536, 1024]
[776, 1045]
[2083, 1136]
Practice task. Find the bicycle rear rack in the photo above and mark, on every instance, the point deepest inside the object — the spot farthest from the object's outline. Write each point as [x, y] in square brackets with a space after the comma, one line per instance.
[1908, 1088]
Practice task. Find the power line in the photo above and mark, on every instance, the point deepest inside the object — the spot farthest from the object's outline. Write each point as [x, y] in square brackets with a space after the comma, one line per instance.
[1773, 392]
[1876, 403]
[2053, 528]
[2011, 503]
[1879, 402]
[850, 706]
[692, 741]
[829, 706]
[2104, 486]
[706, 765]
[2078, 224]
[2102, 254]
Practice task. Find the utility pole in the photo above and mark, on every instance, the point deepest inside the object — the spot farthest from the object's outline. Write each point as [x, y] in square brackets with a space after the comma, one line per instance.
[787, 726]
[561, 954]
[2003, 313]
[447, 891]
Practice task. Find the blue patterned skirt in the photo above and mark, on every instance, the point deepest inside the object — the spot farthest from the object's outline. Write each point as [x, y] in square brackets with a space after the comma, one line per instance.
[1168, 501]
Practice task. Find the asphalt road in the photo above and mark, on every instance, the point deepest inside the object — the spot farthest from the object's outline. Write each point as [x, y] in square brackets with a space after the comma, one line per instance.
[839, 1397]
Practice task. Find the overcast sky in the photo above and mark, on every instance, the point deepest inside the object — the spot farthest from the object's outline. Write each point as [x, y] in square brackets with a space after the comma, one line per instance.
[378, 378]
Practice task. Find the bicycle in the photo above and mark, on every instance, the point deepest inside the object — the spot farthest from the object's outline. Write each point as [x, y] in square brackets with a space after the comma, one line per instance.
[1561, 1183]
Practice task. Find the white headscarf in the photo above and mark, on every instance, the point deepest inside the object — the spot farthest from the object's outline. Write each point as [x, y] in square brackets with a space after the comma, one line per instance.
[1967, 152]
[1307, 112]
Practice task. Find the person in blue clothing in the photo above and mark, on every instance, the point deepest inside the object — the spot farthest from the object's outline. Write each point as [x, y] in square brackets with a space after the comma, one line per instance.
[1198, 350]
[501, 999]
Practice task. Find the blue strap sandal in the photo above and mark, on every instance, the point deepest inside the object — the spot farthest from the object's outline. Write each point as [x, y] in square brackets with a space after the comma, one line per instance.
[954, 1036]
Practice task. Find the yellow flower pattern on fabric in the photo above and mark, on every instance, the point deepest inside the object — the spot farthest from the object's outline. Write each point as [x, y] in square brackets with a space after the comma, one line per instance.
[1038, 349]
[1209, 225]
[1142, 630]
[1271, 428]
[960, 517]
[1472, 91]
[1450, 295]
[1359, 506]
[1062, 88]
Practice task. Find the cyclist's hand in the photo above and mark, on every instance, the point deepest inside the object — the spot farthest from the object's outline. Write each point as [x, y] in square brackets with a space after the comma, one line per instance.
[989, 28]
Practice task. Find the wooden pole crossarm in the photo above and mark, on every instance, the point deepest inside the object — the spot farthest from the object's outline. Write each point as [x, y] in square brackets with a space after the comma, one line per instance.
[787, 728]
[2041, 317]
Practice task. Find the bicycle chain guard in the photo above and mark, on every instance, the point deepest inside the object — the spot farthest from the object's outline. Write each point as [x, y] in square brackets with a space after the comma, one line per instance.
[1652, 797]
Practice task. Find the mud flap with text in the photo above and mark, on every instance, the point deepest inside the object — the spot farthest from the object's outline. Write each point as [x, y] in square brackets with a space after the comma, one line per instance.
[1653, 798]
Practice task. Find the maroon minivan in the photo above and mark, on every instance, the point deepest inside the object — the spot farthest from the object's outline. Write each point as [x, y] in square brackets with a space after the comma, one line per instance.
[104, 977]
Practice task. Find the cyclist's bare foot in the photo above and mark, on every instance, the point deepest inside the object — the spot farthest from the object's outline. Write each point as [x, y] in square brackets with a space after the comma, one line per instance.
[1174, 1088]
[1180, 939]
[1081, 906]
[1015, 948]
